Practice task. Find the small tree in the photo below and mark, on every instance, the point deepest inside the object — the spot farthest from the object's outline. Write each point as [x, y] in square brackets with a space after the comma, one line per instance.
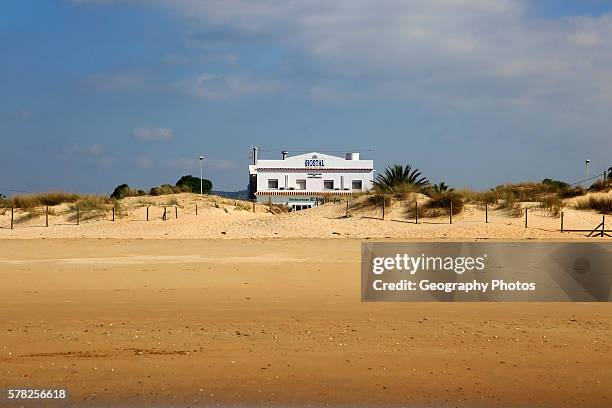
[193, 183]
[121, 191]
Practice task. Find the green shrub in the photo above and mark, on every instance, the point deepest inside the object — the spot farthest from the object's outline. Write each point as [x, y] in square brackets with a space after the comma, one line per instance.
[480, 197]
[378, 200]
[601, 185]
[556, 184]
[123, 190]
[442, 201]
[92, 206]
[191, 184]
[165, 189]
[572, 192]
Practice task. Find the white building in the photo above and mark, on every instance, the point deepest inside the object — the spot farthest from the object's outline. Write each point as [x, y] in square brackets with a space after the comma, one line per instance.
[302, 181]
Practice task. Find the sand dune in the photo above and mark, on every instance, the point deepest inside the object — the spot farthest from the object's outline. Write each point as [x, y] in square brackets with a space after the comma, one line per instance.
[230, 219]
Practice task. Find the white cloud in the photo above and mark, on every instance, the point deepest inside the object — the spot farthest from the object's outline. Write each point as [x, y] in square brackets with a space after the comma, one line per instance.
[144, 162]
[83, 151]
[118, 81]
[448, 54]
[182, 163]
[152, 133]
[219, 164]
[216, 86]
[191, 163]
[469, 52]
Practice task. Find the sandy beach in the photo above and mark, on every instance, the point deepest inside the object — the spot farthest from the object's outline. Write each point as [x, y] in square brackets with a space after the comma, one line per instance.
[275, 322]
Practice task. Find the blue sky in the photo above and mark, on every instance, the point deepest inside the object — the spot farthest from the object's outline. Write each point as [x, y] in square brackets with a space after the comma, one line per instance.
[96, 93]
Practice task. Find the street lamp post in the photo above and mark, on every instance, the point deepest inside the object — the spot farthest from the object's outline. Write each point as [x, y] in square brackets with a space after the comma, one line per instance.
[201, 174]
[586, 171]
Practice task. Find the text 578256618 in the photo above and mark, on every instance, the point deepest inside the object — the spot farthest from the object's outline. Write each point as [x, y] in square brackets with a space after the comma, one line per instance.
[36, 394]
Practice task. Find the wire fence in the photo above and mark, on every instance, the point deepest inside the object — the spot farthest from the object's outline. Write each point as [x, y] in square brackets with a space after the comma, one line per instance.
[530, 216]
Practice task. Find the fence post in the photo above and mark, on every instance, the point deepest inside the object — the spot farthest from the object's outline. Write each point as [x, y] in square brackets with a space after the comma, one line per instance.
[416, 212]
[176, 211]
[451, 212]
[603, 225]
[78, 216]
[526, 212]
[12, 216]
[346, 215]
[113, 213]
[383, 208]
[486, 213]
[561, 221]
[47, 216]
[147, 213]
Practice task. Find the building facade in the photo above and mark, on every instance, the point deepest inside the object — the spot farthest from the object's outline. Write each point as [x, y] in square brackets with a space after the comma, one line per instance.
[302, 181]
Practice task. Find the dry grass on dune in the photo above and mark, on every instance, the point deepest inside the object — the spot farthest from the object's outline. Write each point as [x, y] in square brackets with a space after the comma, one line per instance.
[601, 204]
[41, 199]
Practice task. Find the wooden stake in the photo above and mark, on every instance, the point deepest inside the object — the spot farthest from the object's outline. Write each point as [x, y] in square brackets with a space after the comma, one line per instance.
[416, 212]
[113, 213]
[147, 213]
[254, 204]
[47, 216]
[486, 213]
[526, 212]
[603, 225]
[383, 208]
[78, 216]
[164, 216]
[561, 221]
[196, 209]
[451, 212]
[347, 208]
[176, 211]
[12, 216]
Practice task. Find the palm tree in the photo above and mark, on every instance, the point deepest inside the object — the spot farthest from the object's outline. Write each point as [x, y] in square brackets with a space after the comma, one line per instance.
[398, 175]
[441, 188]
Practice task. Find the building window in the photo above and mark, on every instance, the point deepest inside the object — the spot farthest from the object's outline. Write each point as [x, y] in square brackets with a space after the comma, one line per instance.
[273, 184]
[357, 185]
[328, 185]
[301, 184]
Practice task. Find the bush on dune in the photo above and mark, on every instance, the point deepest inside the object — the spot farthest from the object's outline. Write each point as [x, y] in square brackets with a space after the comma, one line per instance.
[440, 203]
[124, 190]
[603, 205]
[166, 189]
[93, 206]
[601, 185]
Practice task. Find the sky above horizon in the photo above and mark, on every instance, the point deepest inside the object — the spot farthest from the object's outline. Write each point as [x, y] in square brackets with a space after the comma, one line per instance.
[475, 93]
